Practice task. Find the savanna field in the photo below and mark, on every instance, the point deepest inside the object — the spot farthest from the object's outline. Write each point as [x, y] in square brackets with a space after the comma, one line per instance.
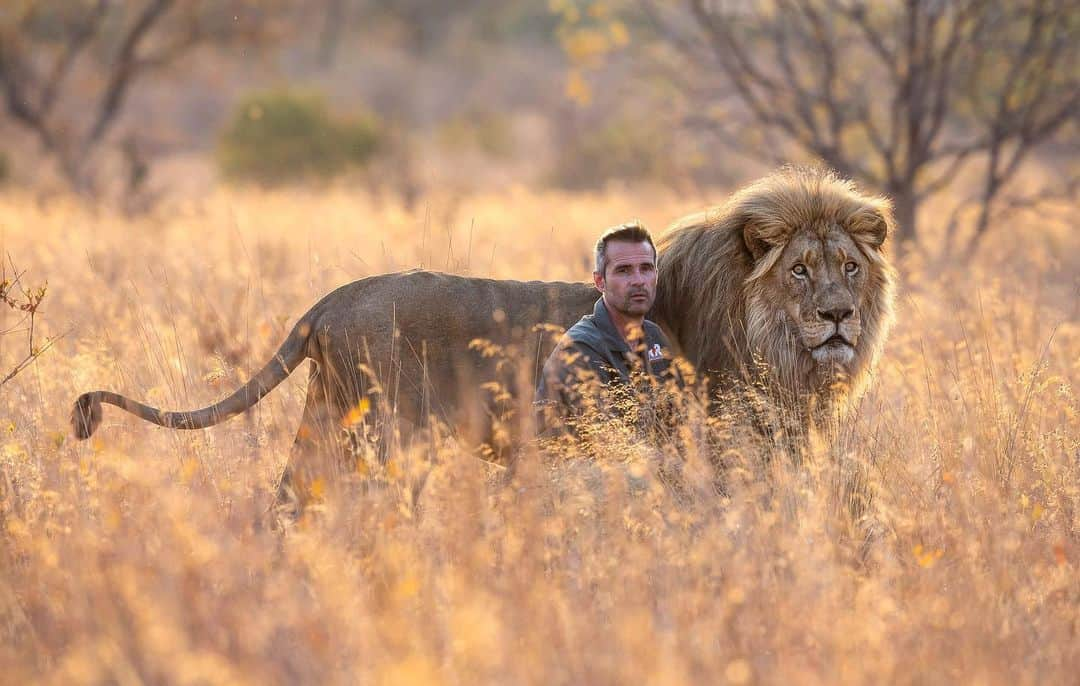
[141, 555]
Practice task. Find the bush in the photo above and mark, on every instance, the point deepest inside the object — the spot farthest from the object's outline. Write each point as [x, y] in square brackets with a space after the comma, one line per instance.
[482, 130]
[281, 136]
[5, 167]
[622, 149]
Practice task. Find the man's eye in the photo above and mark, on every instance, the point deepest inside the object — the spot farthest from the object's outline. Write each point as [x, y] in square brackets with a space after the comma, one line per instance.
[799, 270]
[851, 268]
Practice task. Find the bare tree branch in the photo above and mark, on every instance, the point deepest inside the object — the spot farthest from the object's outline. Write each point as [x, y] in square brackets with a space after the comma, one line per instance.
[899, 95]
[125, 70]
[134, 38]
[83, 32]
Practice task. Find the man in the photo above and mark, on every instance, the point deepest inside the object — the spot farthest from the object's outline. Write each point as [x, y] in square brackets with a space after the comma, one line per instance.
[613, 358]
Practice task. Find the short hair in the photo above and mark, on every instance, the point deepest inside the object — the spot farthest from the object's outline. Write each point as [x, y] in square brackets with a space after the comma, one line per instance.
[630, 232]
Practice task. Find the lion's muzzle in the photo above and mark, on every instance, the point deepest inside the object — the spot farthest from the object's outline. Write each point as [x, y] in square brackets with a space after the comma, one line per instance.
[835, 350]
[833, 342]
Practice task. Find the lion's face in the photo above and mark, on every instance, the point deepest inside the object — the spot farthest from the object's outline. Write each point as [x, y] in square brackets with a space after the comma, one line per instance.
[818, 279]
[818, 286]
[791, 281]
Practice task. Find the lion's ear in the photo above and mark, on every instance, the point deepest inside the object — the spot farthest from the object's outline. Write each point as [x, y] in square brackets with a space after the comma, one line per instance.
[872, 225]
[754, 240]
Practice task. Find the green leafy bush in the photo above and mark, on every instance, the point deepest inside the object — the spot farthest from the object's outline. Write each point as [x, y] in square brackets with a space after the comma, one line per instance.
[281, 136]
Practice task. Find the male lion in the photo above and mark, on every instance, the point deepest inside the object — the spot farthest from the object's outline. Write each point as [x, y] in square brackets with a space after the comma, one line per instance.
[786, 282]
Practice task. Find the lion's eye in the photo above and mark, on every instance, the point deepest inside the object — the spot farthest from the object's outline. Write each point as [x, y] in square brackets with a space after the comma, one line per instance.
[851, 268]
[799, 270]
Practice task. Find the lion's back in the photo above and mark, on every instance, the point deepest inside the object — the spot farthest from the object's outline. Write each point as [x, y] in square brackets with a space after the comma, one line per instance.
[417, 325]
[446, 308]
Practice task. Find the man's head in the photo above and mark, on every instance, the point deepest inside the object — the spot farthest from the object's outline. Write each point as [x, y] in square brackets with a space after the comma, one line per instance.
[626, 269]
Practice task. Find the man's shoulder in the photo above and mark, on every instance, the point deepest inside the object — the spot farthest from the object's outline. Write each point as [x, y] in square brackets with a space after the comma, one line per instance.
[585, 332]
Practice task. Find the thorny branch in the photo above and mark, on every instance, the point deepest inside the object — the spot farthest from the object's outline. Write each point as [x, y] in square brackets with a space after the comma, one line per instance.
[26, 300]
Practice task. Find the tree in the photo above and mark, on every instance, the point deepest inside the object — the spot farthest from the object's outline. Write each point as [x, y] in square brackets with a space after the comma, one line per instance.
[901, 96]
[111, 45]
[424, 24]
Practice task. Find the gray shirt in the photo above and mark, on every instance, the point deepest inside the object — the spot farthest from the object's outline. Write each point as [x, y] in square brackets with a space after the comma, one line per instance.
[593, 362]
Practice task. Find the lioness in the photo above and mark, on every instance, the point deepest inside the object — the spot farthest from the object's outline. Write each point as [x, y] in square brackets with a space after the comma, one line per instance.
[788, 276]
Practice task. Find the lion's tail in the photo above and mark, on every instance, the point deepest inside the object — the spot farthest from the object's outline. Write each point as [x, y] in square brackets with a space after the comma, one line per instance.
[86, 415]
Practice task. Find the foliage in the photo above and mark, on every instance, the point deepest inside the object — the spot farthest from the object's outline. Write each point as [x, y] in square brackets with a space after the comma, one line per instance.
[282, 136]
[516, 23]
[5, 167]
[483, 130]
[622, 148]
[588, 31]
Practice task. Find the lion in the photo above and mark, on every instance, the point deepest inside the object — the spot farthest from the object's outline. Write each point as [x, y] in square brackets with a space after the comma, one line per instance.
[787, 281]
[785, 287]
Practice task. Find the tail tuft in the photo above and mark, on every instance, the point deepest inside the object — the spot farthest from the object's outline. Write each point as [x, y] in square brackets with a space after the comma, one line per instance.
[86, 416]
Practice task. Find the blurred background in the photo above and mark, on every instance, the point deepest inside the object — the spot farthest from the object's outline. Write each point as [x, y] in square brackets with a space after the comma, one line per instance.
[138, 102]
[181, 179]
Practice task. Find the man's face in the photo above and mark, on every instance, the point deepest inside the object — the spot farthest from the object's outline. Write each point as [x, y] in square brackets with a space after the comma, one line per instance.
[629, 279]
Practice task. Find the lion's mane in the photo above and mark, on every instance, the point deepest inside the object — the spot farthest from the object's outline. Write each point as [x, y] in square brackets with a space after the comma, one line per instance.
[712, 267]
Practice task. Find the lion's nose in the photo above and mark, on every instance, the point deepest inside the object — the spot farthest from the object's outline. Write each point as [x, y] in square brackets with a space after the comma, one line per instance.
[836, 314]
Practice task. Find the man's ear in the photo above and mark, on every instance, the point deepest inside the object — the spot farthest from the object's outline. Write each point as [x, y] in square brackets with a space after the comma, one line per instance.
[598, 281]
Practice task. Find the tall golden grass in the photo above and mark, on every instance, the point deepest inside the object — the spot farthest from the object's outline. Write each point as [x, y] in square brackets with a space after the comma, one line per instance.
[137, 556]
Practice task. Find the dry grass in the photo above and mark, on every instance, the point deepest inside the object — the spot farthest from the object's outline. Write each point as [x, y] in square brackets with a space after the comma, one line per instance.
[133, 557]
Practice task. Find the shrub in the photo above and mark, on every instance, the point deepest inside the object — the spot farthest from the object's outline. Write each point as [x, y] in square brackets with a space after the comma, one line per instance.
[5, 167]
[622, 149]
[281, 136]
[482, 130]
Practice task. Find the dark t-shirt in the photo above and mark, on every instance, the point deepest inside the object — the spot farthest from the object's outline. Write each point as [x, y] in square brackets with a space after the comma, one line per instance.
[594, 368]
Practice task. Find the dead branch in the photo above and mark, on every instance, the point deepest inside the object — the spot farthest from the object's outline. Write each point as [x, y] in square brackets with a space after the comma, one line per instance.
[900, 96]
[27, 301]
[136, 38]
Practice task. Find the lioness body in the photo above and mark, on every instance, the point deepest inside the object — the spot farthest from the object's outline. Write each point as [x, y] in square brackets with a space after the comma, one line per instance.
[412, 331]
[761, 285]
